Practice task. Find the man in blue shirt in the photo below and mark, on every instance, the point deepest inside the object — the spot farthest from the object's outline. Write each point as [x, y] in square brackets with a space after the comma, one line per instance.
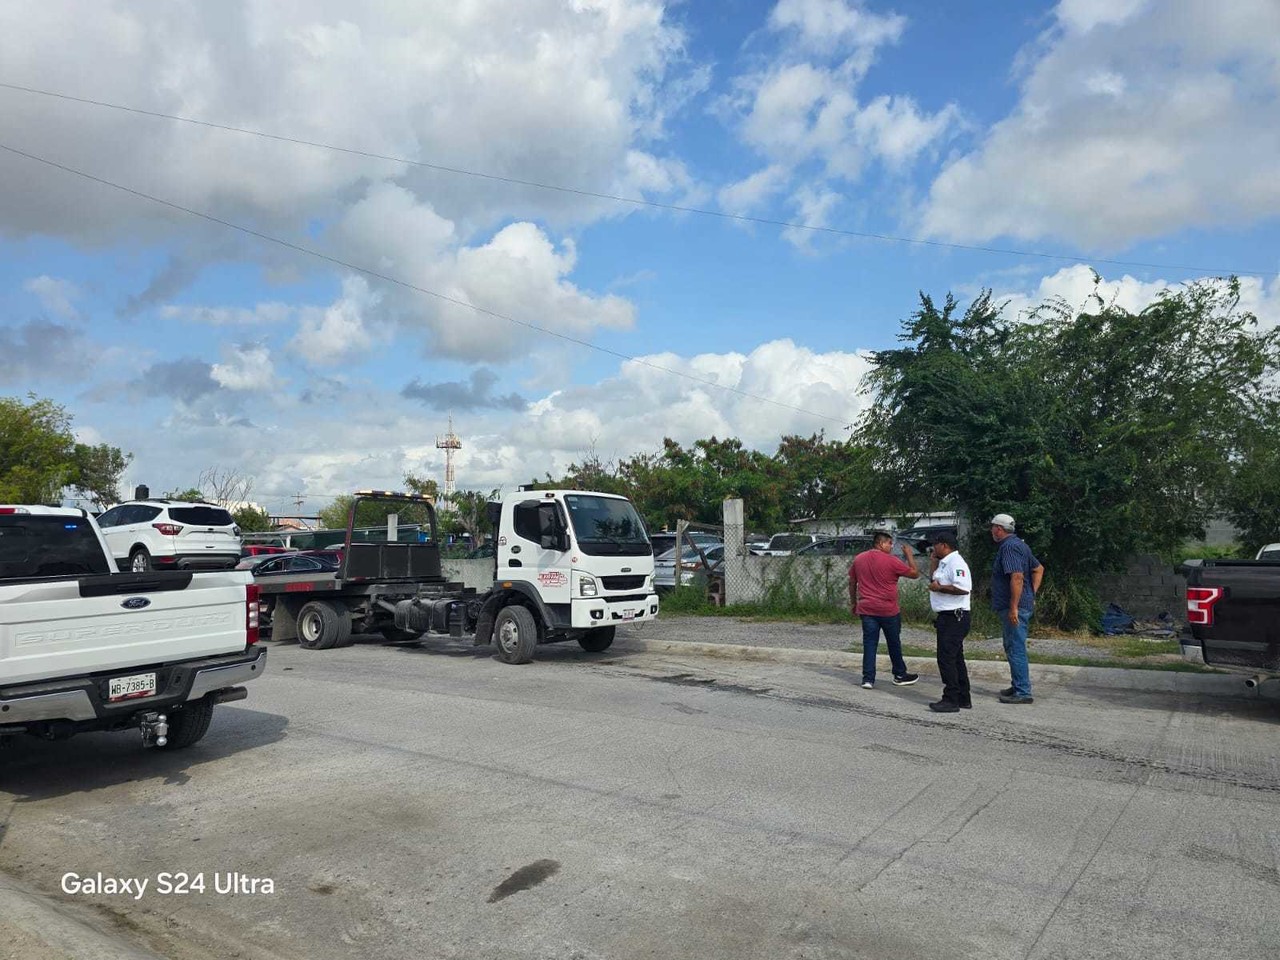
[1015, 580]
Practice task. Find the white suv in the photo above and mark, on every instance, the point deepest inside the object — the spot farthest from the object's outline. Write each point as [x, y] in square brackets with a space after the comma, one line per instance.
[171, 534]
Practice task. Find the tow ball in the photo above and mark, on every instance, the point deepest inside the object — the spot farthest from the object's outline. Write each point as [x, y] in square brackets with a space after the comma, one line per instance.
[155, 729]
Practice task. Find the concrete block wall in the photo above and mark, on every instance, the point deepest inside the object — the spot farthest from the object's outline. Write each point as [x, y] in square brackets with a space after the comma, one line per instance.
[471, 573]
[1148, 587]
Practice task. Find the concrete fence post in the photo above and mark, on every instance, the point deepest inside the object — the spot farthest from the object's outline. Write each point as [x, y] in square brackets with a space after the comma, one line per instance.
[735, 551]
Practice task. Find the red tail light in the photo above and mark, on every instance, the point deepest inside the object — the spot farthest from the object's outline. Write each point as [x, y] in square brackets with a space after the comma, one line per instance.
[168, 529]
[1200, 601]
[251, 614]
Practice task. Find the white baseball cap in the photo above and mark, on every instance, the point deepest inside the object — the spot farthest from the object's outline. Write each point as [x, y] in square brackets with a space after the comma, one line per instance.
[1003, 520]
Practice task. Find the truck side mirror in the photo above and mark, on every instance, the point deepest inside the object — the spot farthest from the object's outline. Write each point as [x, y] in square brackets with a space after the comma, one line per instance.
[553, 536]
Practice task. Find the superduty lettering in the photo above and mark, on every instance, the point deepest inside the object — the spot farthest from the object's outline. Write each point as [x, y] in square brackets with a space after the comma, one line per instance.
[132, 627]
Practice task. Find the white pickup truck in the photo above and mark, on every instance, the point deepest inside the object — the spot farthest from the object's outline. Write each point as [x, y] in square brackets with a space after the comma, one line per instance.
[83, 648]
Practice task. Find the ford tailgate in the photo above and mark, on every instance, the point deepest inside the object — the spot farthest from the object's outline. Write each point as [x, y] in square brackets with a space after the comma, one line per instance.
[54, 628]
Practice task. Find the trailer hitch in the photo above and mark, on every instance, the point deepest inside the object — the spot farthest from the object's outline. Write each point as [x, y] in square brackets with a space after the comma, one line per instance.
[155, 729]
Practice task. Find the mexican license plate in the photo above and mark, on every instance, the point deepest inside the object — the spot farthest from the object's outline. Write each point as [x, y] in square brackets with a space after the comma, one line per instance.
[130, 688]
[628, 613]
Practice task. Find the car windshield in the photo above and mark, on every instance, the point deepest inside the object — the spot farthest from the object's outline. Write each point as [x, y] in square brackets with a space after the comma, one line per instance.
[1270, 554]
[788, 541]
[606, 525]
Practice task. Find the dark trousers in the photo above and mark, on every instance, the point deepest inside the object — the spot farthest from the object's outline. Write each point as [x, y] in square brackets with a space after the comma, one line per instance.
[953, 627]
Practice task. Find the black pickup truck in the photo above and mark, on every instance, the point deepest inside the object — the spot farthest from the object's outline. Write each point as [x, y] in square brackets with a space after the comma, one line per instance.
[1233, 611]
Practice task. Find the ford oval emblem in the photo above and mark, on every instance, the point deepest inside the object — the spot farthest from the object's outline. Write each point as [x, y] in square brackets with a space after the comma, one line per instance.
[135, 603]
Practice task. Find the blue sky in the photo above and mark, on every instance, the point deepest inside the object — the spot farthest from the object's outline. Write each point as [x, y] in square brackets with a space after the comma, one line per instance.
[1124, 130]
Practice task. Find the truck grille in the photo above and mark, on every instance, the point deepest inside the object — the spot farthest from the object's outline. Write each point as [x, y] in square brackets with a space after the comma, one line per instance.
[633, 582]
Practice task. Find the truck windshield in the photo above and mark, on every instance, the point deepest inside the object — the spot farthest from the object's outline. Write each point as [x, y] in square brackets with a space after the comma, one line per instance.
[33, 546]
[604, 525]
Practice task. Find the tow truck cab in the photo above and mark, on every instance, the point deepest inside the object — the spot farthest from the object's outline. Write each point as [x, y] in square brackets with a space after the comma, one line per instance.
[583, 557]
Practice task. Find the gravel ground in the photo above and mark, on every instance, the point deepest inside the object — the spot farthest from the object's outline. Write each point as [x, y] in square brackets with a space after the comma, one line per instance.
[831, 636]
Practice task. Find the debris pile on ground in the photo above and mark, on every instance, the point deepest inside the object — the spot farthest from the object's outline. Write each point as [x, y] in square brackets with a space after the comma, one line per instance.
[1116, 621]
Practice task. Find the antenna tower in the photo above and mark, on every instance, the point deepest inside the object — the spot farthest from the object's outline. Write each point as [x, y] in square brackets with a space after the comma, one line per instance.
[448, 443]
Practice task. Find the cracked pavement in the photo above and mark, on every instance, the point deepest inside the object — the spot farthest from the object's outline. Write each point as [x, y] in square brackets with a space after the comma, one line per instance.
[433, 802]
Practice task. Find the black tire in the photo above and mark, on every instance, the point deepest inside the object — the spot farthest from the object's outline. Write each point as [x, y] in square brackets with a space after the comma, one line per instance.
[598, 640]
[189, 724]
[515, 634]
[140, 560]
[323, 625]
[393, 634]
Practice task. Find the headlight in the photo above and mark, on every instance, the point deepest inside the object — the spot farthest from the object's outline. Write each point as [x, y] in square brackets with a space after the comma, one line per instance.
[587, 586]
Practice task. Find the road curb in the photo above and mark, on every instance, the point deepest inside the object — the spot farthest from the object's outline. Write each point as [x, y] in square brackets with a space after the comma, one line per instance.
[1111, 678]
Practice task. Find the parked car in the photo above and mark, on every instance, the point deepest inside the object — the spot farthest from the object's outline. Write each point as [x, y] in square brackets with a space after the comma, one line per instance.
[921, 537]
[785, 544]
[1270, 552]
[690, 563]
[850, 545]
[662, 542]
[843, 546]
[171, 534]
[304, 561]
[259, 550]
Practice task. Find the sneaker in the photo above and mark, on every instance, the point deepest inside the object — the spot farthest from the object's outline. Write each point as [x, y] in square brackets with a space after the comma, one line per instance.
[1008, 692]
[868, 685]
[966, 705]
[944, 706]
[1014, 698]
[906, 679]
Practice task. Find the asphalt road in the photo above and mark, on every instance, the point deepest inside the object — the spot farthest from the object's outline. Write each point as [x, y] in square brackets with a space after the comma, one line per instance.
[433, 802]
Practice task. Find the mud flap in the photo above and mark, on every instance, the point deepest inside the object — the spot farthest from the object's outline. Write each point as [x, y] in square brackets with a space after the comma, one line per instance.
[484, 623]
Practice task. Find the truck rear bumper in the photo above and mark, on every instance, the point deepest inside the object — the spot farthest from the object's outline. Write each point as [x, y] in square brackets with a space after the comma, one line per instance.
[606, 612]
[207, 561]
[82, 698]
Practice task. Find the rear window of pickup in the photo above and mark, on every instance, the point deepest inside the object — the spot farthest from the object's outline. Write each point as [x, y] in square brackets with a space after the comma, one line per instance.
[48, 546]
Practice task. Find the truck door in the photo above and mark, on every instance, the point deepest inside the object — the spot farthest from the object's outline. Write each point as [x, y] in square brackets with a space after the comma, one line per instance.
[537, 549]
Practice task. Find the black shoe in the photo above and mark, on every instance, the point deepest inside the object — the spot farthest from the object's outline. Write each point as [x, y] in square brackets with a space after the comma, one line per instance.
[1014, 698]
[944, 706]
[1008, 692]
[966, 704]
[906, 679]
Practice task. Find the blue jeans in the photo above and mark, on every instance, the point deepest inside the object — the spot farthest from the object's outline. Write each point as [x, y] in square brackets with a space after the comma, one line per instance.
[871, 627]
[1015, 651]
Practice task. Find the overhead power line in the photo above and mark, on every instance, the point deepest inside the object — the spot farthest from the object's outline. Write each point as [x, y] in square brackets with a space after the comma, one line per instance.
[614, 198]
[387, 278]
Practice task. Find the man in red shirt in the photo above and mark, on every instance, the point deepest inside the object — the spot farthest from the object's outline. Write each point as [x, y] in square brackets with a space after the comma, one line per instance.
[873, 595]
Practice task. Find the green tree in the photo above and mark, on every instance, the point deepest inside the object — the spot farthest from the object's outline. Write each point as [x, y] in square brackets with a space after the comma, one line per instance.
[40, 458]
[98, 472]
[1252, 502]
[252, 520]
[374, 513]
[470, 510]
[1106, 432]
[421, 486]
[189, 495]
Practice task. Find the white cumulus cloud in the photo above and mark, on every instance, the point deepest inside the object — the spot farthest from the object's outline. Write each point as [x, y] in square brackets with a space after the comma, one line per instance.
[1135, 120]
[803, 115]
[1077, 287]
[245, 367]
